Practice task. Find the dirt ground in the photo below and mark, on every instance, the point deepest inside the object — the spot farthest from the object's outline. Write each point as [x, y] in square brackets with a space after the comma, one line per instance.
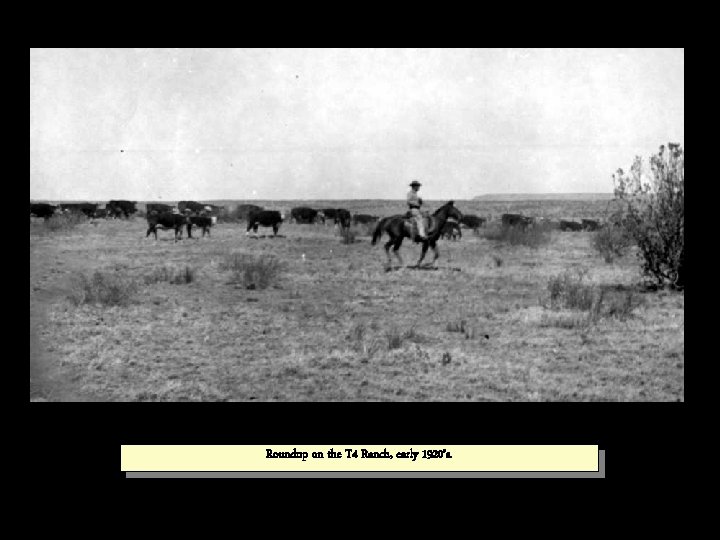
[336, 326]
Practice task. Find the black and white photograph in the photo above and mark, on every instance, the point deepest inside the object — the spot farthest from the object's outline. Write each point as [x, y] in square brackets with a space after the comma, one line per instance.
[357, 225]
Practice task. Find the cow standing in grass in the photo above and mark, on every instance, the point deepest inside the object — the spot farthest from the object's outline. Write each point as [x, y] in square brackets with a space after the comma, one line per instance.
[472, 221]
[303, 214]
[166, 221]
[265, 218]
[203, 222]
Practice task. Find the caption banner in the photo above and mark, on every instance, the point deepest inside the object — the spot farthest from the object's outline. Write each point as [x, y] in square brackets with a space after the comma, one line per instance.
[269, 458]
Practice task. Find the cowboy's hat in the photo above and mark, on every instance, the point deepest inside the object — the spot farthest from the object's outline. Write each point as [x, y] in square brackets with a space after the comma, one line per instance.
[415, 183]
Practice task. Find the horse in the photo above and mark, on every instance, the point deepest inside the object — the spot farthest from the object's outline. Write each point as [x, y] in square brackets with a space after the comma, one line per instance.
[399, 227]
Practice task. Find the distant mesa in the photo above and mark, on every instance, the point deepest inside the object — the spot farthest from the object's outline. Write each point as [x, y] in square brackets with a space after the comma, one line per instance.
[545, 197]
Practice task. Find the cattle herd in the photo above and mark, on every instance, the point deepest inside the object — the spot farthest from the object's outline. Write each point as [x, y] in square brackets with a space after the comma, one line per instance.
[189, 214]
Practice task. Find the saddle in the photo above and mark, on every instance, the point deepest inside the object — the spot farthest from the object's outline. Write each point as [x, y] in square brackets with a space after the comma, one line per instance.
[412, 228]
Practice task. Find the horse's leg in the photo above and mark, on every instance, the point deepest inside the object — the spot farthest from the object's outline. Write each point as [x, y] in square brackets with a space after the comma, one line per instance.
[437, 254]
[422, 254]
[396, 250]
[387, 250]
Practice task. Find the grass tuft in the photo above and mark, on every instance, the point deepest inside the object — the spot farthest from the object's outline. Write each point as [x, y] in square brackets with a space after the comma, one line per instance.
[253, 271]
[171, 274]
[109, 288]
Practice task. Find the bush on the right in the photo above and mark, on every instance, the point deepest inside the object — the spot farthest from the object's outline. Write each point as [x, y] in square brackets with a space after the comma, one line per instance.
[654, 207]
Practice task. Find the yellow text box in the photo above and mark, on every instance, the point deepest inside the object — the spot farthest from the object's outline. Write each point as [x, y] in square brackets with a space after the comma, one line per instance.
[359, 458]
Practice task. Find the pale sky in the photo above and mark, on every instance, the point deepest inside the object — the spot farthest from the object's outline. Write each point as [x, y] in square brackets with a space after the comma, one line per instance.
[201, 124]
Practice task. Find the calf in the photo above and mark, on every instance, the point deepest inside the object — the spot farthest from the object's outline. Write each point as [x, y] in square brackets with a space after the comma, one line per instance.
[166, 221]
[266, 218]
[204, 222]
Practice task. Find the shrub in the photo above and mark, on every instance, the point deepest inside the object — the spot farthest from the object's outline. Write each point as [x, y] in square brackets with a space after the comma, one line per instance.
[462, 326]
[611, 242]
[361, 340]
[395, 338]
[170, 274]
[654, 206]
[111, 288]
[569, 291]
[253, 271]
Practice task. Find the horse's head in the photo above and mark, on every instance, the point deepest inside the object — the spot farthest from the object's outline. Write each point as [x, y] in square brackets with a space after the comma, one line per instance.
[449, 211]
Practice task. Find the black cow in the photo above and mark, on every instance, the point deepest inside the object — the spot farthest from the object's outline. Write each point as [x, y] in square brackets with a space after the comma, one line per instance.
[516, 220]
[88, 209]
[102, 213]
[451, 230]
[166, 220]
[329, 213]
[158, 208]
[364, 219]
[266, 218]
[343, 218]
[472, 221]
[204, 222]
[244, 210]
[192, 206]
[570, 225]
[303, 214]
[43, 210]
[590, 225]
[121, 208]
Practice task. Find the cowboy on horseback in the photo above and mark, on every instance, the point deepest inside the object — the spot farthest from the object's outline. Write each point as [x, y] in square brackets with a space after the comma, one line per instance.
[414, 203]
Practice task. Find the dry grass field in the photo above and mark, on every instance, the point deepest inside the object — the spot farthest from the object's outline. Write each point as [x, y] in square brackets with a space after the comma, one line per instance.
[304, 316]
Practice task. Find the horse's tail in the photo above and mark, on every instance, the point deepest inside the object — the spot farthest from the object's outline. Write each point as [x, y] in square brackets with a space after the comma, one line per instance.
[378, 230]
